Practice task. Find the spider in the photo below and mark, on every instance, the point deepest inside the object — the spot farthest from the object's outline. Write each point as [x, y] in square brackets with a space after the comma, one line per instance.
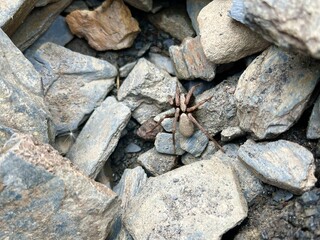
[183, 115]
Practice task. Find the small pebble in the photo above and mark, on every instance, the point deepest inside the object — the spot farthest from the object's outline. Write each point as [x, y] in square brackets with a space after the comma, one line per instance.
[132, 148]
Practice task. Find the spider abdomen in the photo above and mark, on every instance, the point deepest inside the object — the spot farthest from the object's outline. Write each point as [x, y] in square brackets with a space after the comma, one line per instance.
[186, 127]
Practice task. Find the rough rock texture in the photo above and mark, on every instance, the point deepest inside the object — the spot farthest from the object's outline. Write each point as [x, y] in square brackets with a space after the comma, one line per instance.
[156, 163]
[43, 196]
[110, 26]
[100, 136]
[231, 133]
[273, 91]
[173, 20]
[164, 144]
[220, 112]
[162, 62]
[144, 5]
[74, 84]
[37, 23]
[146, 90]
[223, 39]
[13, 13]
[313, 131]
[195, 144]
[292, 24]
[281, 163]
[206, 155]
[198, 201]
[21, 96]
[42, 3]
[190, 62]
[149, 130]
[193, 9]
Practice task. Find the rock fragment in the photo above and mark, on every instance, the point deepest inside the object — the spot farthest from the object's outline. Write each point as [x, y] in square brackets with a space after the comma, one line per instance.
[231, 133]
[313, 131]
[44, 196]
[281, 163]
[273, 91]
[144, 5]
[100, 136]
[193, 9]
[162, 62]
[164, 144]
[195, 144]
[108, 27]
[223, 39]
[201, 200]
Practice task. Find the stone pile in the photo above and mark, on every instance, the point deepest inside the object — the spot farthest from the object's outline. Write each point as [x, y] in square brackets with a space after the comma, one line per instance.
[61, 95]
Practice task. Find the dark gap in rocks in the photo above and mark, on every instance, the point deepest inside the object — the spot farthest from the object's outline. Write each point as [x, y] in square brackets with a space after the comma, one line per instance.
[234, 231]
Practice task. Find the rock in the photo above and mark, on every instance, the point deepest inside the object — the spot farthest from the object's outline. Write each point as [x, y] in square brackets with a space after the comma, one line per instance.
[183, 204]
[64, 142]
[250, 185]
[195, 144]
[313, 131]
[219, 112]
[206, 155]
[283, 164]
[126, 69]
[273, 92]
[44, 196]
[21, 96]
[173, 20]
[93, 3]
[148, 130]
[156, 163]
[278, 22]
[164, 144]
[111, 26]
[81, 46]
[132, 148]
[13, 13]
[37, 23]
[193, 9]
[162, 62]
[95, 144]
[223, 39]
[76, 5]
[144, 5]
[146, 90]
[190, 62]
[42, 3]
[74, 84]
[231, 133]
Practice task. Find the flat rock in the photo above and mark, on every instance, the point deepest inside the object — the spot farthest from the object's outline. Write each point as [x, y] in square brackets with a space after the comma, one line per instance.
[43, 195]
[146, 89]
[156, 163]
[198, 201]
[126, 69]
[193, 9]
[231, 133]
[42, 3]
[99, 136]
[144, 5]
[190, 61]
[273, 91]
[164, 144]
[292, 24]
[173, 20]
[37, 23]
[162, 62]
[74, 84]
[282, 163]
[195, 144]
[21, 96]
[111, 26]
[223, 39]
[207, 154]
[220, 112]
[313, 131]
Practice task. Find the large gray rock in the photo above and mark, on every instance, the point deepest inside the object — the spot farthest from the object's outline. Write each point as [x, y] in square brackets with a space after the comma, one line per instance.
[313, 131]
[74, 84]
[292, 24]
[21, 96]
[146, 89]
[223, 39]
[281, 163]
[198, 201]
[100, 136]
[273, 91]
[42, 196]
[193, 9]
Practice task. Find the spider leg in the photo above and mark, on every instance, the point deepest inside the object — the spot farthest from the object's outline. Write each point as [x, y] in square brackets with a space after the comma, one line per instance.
[190, 93]
[160, 121]
[174, 127]
[191, 109]
[204, 131]
[177, 98]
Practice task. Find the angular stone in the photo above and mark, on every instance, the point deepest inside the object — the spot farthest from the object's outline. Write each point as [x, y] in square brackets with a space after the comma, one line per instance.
[273, 91]
[37, 23]
[76, 5]
[126, 69]
[156, 163]
[42, 3]
[74, 84]
[198, 201]
[162, 62]
[292, 24]
[173, 20]
[313, 131]
[190, 62]
[147, 88]
[219, 112]
[144, 5]
[164, 144]
[281, 163]
[21, 96]
[193, 9]
[195, 144]
[100, 136]
[231, 133]
[44, 196]
[223, 39]
[111, 26]
[207, 154]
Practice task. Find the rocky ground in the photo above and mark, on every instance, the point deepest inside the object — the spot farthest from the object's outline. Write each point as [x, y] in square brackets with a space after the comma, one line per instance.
[83, 84]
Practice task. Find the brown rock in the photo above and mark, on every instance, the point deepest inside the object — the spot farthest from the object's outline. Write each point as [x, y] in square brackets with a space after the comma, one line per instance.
[110, 26]
[149, 130]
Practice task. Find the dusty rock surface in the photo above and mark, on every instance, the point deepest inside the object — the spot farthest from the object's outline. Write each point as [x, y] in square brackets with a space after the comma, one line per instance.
[110, 26]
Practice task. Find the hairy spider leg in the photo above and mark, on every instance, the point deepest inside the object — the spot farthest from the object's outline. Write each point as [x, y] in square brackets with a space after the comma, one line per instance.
[190, 93]
[191, 109]
[174, 127]
[171, 115]
[177, 98]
